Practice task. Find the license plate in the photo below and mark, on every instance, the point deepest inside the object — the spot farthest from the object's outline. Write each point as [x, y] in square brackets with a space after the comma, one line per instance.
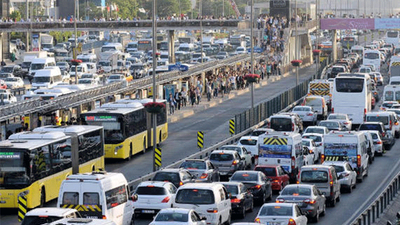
[148, 211]
[301, 116]
[273, 223]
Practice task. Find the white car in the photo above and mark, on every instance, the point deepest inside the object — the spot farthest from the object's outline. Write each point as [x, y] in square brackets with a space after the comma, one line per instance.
[94, 76]
[115, 78]
[251, 144]
[246, 155]
[342, 118]
[346, 174]
[377, 138]
[308, 156]
[152, 196]
[316, 129]
[318, 140]
[14, 82]
[88, 82]
[178, 216]
[281, 213]
[241, 50]
[7, 98]
[312, 147]
[306, 113]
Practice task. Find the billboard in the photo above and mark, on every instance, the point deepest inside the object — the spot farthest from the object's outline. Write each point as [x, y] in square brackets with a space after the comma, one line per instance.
[345, 24]
[279, 8]
[387, 23]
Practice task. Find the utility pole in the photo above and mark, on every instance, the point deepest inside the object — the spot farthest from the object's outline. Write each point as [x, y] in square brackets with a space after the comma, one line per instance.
[296, 44]
[154, 115]
[27, 32]
[201, 29]
[76, 40]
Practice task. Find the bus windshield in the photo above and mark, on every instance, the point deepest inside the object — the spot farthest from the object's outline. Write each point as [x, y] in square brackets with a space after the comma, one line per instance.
[112, 130]
[392, 34]
[14, 168]
[371, 55]
[349, 85]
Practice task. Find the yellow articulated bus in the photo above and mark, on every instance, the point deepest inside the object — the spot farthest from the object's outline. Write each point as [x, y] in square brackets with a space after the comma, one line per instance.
[127, 127]
[35, 163]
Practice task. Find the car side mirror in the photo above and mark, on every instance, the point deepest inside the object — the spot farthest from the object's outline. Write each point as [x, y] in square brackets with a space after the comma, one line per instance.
[134, 197]
[351, 119]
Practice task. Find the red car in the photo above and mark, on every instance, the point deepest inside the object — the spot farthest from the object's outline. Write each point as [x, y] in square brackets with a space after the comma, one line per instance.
[3, 84]
[278, 175]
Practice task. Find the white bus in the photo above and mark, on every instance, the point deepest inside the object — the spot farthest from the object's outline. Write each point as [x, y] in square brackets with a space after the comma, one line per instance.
[238, 40]
[373, 57]
[392, 37]
[352, 95]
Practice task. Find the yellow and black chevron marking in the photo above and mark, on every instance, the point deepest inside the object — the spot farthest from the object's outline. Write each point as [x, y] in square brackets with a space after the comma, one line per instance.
[157, 157]
[83, 208]
[275, 141]
[336, 158]
[319, 89]
[395, 64]
[200, 139]
[232, 126]
[22, 208]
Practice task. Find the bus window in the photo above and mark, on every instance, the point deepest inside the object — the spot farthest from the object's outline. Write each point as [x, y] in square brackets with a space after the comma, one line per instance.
[371, 55]
[389, 96]
[349, 85]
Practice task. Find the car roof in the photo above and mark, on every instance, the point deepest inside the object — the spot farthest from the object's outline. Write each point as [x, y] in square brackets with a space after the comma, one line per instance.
[224, 151]
[339, 163]
[249, 137]
[178, 210]
[230, 182]
[248, 172]
[171, 170]
[199, 186]
[153, 183]
[310, 167]
[299, 185]
[50, 211]
[268, 166]
[314, 134]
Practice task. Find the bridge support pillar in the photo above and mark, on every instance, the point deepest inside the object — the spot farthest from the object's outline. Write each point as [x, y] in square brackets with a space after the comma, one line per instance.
[334, 45]
[171, 47]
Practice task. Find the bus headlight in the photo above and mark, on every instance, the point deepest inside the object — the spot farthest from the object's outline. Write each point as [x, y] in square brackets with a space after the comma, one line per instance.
[117, 148]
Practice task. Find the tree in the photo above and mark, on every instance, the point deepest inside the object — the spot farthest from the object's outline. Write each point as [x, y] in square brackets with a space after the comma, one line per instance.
[127, 8]
[15, 15]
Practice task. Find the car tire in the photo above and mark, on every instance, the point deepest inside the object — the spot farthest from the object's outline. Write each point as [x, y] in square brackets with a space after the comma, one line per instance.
[315, 219]
[366, 172]
[338, 198]
[243, 212]
[323, 211]
[397, 135]
[333, 203]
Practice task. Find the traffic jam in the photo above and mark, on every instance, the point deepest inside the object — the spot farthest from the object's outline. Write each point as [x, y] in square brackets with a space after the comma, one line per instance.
[292, 169]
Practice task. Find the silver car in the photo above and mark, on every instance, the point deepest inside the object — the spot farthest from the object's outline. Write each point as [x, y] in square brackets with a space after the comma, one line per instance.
[346, 174]
[203, 170]
[227, 161]
[246, 155]
[378, 144]
[342, 118]
[306, 113]
[307, 197]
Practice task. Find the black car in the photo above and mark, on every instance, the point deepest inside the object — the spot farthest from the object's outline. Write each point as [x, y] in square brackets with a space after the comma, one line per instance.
[241, 198]
[178, 177]
[255, 181]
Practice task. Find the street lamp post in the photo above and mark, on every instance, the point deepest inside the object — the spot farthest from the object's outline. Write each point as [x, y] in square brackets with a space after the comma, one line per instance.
[76, 40]
[252, 61]
[154, 115]
[295, 43]
[201, 29]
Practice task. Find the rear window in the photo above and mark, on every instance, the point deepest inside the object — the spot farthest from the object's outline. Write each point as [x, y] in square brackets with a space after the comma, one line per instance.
[231, 188]
[315, 138]
[91, 198]
[281, 124]
[162, 176]
[276, 211]
[313, 102]
[315, 130]
[193, 165]
[338, 169]
[257, 133]
[35, 220]
[244, 177]
[383, 119]
[371, 127]
[195, 196]
[146, 190]
[170, 217]
[336, 117]
[221, 157]
[248, 141]
[268, 171]
[329, 125]
[70, 198]
[302, 191]
[314, 176]
[374, 136]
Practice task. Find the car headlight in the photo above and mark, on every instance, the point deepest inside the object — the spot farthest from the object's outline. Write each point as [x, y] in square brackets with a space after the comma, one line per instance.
[117, 148]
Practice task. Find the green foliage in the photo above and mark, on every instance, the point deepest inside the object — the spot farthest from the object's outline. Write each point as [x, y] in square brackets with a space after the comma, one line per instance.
[15, 15]
[61, 36]
[90, 10]
[127, 8]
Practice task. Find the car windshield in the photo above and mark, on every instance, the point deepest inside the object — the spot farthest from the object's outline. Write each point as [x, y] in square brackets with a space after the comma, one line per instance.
[11, 79]
[87, 76]
[195, 196]
[338, 168]
[6, 69]
[296, 191]
[244, 177]
[61, 64]
[37, 66]
[172, 217]
[41, 79]
[248, 141]
[314, 130]
[221, 157]
[268, 171]
[314, 176]
[276, 211]
[301, 109]
[193, 165]
[383, 119]
[165, 176]
[151, 190]
[33, 220]
[114, 77]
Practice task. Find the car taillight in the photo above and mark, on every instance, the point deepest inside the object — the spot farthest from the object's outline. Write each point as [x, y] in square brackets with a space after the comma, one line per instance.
[379, 142]
[291, 222]
[333, 110]
[309, 201]
[256, 186]
[203, 176]
[213, 210]
[280, 200]
[235, 162]
[275, 181]
[269, 125]
[331, 178]
[180, 183]
[322, 158]
[292, 126]
[310, 114]
[359, 160]
[346, 123]
[345, 174]
[293, 162]
[165, 200]
[257, 220]
[397, 123]
[235, 200]
[104, 217]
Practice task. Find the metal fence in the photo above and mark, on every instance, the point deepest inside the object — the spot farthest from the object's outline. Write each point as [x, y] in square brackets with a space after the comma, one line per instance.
[377, 207]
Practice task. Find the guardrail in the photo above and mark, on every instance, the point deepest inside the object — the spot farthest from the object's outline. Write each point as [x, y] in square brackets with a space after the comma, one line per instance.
[285, 106]
[377, 207]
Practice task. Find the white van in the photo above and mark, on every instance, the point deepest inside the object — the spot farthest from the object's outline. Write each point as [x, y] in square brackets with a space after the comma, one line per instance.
[284, 149]
[47, 78]
[394, 80]
[388, 118]
[210, 200]
[318, 104]
[348, 146]
[91, 67]
[82, 221]
[39, 64]
[80, 69]
[106, 195]
[48, 215]
[112, 47]
[87, 58]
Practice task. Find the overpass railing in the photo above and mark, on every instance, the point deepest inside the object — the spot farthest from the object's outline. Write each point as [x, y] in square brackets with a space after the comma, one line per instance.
[81, 97]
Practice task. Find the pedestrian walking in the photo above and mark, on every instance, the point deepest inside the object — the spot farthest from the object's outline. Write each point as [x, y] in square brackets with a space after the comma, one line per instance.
[171, 102]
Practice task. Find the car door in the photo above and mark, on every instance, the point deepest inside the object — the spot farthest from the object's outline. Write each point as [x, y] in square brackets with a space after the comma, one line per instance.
[299, 218]
[241, 161]
[336, 183]
[214, 171]
[318, 197]
[283, 176]
[248, 198]
[222, 204]
[247, 156]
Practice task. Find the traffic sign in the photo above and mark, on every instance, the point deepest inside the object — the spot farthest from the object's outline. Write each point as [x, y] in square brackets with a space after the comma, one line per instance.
[200, 139]
[232, 126]
[157, 158]
[22, 207]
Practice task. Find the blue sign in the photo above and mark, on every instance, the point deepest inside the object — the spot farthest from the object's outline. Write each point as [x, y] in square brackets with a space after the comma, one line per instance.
[256, 50]
[387, 23]
[275, 151]
[178, 66]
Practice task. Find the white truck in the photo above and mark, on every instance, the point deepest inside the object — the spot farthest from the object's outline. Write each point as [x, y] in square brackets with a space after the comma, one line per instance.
[46, 42]
[108, 60]
[27, 59]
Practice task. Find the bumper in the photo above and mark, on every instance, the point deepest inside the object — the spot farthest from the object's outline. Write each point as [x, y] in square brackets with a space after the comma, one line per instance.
[237, 208]
[345, 182]
[150, 208]
[276, 186]
[310, 209]
[257, 193]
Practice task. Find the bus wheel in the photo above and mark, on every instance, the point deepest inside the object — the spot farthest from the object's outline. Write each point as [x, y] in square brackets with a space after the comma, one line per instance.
[42, 197]
[144, 146]
[93, 168]
[130, 152]
[159, 139]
